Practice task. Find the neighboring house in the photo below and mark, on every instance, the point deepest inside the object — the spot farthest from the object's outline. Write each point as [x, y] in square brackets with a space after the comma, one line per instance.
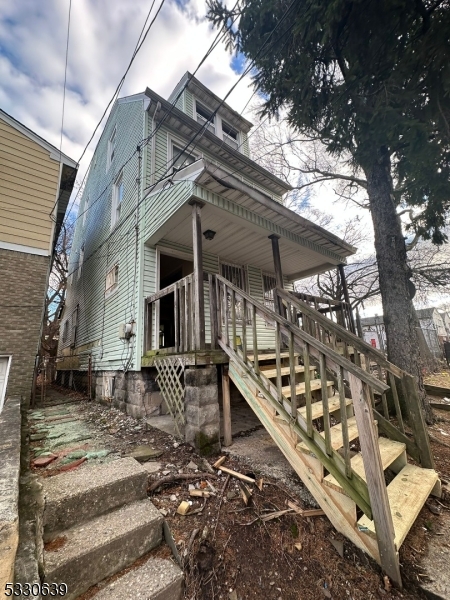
[374, 332]
[148, 216]
[433, 327]
[445, 316]
[36, 181]
[432, 324]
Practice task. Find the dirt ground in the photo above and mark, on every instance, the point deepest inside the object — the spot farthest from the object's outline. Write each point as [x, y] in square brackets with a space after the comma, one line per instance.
[231, 552]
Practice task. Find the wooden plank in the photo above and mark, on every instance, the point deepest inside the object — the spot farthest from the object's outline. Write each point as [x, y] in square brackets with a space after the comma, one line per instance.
[255, 358]
[336, 435]
[213, 312]
[317, 407]
[269, 356]
[437, 390]
[272, 373]
[278, 271]
[398, 410]
[293, 389]
[308, 399]
[326, 410]
[390, 451]
[227, 438]
[343, 409]
[407, 494]
[379, 502]
[176, 317]
[394, 434]
[244, 329]
[440, 405]
[278, 371]
[199, 298]
[417, 421]
[300, 387]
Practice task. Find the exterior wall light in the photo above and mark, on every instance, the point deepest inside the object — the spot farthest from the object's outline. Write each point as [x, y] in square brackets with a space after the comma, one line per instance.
[209, 234]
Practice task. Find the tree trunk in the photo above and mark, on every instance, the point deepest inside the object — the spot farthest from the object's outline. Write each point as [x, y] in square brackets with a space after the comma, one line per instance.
[398, 310]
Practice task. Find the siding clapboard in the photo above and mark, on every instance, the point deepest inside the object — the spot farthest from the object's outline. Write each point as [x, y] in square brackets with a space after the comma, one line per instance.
[28, 188]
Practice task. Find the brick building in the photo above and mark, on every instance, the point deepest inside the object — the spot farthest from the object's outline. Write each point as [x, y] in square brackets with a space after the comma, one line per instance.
[36, 181]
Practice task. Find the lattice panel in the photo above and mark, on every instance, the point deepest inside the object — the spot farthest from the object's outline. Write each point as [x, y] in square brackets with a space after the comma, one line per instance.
[170, 379]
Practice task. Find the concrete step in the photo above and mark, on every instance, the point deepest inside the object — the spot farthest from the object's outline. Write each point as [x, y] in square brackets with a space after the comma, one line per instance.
[75, 497]
[157, 579]
[92, 551]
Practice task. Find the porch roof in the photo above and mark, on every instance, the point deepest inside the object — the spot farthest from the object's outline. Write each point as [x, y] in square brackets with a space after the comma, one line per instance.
[243, 218]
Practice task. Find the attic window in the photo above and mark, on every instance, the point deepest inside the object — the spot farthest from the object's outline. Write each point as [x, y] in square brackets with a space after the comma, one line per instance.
[204, 115]
[117, 199]
[230, 135]
[80, 261]
[86, 206]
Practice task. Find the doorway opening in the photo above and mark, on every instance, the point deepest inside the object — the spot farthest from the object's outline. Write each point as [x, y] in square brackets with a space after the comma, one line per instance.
[171, 270]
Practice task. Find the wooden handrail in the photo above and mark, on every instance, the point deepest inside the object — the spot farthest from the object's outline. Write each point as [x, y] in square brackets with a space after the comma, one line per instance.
[169, 289]
[287, 328]
[342, 333]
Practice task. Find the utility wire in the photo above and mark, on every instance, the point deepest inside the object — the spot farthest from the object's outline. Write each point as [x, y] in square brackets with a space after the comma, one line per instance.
[196, 136]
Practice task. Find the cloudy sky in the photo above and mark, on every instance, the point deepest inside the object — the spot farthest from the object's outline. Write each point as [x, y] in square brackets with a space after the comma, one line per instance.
[103, 34]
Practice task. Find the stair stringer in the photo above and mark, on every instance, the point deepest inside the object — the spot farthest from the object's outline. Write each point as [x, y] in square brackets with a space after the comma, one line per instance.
[339, 509]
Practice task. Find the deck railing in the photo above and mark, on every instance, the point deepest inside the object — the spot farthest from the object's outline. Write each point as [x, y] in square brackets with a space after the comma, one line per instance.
[337, 311]
[401, 399]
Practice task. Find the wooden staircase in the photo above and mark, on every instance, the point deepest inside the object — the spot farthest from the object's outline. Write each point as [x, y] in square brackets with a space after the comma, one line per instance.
[322, 394]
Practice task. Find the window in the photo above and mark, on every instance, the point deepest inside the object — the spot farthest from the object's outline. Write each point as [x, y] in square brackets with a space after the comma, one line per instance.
[85, 209]
[65, 332]
[236, 275]
[230, 135]
[181, 159]
[112, 280]
[74, 323]
[204, 115]
[80, 261]
[117, 199]
[111, 148]
[269, 284]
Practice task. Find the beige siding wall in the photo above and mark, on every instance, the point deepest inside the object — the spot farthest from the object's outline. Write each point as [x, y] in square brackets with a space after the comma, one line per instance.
[28, 184]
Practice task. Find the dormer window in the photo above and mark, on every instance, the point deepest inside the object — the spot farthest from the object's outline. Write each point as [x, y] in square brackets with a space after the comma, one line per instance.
[204, 115]
[230, 135]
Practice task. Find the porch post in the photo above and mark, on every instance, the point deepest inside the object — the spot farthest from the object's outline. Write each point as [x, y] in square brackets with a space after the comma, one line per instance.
[347, 297]
[278, 271]
[199, 299]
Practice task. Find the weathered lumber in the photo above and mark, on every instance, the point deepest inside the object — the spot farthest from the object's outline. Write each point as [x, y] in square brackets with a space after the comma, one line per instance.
[437, 390]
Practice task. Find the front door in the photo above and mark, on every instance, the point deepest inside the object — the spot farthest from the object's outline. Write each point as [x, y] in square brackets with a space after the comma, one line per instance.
[4, 363]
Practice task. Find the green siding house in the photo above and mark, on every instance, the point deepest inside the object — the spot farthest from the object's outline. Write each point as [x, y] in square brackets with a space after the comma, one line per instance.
[158, 163]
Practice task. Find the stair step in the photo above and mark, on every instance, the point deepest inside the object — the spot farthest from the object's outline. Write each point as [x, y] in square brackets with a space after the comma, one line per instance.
[75, 497]
[336, 436]
[104, 546]
[272, 373]
[407, 494]
[263, 357]
[300, 387]
[317, 407]
[390, 451]
[157, 579]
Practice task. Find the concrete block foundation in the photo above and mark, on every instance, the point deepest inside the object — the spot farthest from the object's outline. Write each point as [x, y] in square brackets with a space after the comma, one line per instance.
[202, 414]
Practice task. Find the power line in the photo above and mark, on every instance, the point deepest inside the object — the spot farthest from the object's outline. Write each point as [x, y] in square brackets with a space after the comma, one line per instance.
[202, 129]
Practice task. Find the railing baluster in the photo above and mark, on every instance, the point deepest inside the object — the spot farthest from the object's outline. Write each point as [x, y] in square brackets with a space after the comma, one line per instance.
[255, 341]
[398, 410]
[385, 406]
[219, 307]
[213, 312]
[326, 408]
[307, 374]
[244, 329]
[292, 376]
[176, 318]
[225, 312]
[344, 424]
[233, 319]
[278, 361]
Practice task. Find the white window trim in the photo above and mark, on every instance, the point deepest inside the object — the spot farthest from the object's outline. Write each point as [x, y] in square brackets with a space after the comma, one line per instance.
[114, 204]
[173, 141]
[110, 159]
[216, 120]
[80, 262]
[85, 209]
[225, 135]
[115, 287]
